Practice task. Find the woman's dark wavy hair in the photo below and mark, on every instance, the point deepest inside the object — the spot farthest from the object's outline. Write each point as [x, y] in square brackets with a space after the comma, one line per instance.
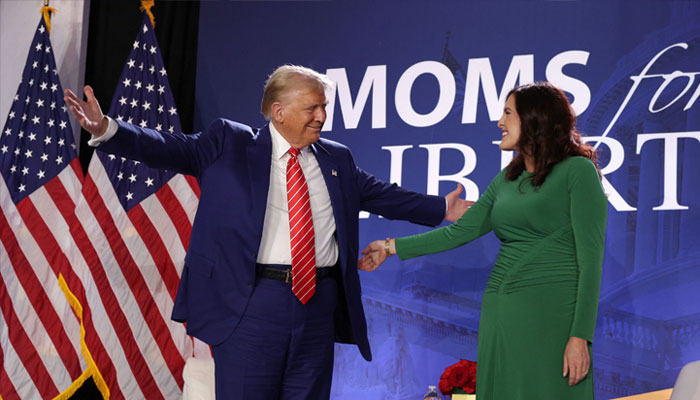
[547, 131]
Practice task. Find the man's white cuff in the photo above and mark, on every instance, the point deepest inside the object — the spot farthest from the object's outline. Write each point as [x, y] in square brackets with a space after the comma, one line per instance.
[111, 131]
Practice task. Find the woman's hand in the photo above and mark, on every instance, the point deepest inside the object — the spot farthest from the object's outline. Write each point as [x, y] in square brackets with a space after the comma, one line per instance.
[374, 255]
[576, 360]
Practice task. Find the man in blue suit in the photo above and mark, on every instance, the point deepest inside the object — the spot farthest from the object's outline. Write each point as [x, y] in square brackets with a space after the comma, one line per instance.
[238, 290]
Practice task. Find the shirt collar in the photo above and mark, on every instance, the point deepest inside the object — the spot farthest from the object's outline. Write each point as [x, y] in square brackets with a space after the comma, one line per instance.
[280, 146]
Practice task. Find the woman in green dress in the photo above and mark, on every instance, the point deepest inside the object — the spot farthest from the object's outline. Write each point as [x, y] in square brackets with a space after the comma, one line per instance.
[549, 211]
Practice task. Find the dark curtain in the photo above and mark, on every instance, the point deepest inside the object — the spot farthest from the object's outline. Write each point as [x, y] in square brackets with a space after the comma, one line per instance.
[112, 29]
[113, 26]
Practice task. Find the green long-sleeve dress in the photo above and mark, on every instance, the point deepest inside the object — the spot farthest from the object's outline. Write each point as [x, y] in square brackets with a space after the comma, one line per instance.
[544, 286]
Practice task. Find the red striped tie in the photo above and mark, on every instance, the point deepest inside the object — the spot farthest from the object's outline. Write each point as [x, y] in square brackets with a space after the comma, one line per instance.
[301, 231]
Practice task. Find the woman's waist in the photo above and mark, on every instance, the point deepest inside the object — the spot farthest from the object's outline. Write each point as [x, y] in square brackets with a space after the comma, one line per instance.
[536, 257]
[506, 276]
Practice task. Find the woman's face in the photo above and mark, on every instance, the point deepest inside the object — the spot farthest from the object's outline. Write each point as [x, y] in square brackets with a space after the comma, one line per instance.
[510, 126]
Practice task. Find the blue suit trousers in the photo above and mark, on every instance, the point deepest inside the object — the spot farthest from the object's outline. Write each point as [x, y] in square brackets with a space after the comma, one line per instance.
[282, 349]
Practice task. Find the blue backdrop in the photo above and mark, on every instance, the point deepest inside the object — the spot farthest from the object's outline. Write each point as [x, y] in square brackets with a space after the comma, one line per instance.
[420, 87]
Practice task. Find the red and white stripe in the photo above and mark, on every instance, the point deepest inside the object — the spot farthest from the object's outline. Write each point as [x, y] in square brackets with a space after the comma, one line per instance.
[123, 268]
[129, 264]
[39, 333]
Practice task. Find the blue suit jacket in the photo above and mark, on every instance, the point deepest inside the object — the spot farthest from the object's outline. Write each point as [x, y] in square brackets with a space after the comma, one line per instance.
[232, 162]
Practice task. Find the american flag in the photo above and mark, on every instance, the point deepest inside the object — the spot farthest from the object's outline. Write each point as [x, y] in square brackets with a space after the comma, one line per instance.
[40, 182]
[138, 222]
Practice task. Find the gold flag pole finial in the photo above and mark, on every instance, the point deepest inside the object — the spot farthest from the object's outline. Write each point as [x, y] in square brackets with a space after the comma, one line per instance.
[46, 10]
[146, 6]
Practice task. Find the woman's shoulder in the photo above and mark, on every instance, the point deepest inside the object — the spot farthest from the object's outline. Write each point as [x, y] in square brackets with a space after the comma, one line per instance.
[577, 163]
[579, 169]
[501, 176]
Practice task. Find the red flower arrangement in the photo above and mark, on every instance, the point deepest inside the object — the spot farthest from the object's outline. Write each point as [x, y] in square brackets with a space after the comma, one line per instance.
[461, 375]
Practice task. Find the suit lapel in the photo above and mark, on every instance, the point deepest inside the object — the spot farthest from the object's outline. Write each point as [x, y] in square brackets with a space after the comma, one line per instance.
[259, 162]
[330, 171]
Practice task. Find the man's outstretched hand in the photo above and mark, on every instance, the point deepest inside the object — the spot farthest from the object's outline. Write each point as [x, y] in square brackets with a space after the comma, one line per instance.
[88, 113]
[456, 206]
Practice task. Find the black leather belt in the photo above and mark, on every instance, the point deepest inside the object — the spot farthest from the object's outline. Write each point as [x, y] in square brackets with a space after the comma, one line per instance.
[286, 274]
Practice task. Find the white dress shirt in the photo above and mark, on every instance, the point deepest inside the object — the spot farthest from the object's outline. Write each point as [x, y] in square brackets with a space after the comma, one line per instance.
[275, 245]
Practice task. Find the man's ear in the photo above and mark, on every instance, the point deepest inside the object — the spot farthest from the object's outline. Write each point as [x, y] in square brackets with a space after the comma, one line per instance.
[277, 112]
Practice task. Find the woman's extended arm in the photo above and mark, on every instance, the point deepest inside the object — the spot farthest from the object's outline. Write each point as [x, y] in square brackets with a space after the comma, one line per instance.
[474, 223]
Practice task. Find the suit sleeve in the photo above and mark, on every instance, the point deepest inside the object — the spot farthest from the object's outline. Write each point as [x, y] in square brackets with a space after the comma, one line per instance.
[474, 223]
[187, 154]
[589, 210]
[391, 201]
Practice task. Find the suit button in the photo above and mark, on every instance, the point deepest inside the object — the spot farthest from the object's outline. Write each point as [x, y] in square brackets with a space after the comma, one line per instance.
[250, 283]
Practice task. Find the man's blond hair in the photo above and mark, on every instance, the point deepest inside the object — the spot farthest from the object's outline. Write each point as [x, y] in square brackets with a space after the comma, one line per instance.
[287, 78]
